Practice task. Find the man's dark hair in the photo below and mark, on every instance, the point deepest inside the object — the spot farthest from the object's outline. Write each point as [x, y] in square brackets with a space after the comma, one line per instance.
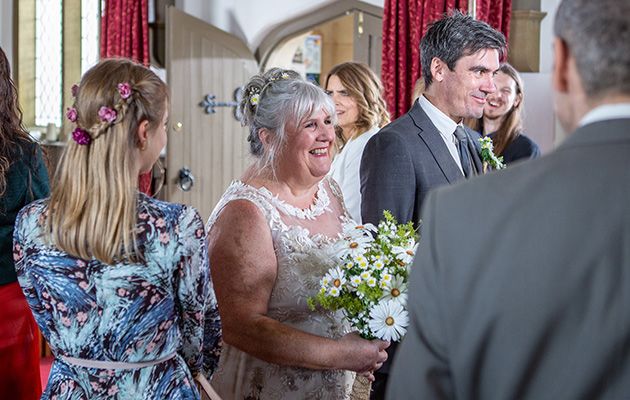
[597, 34]
[454, 37]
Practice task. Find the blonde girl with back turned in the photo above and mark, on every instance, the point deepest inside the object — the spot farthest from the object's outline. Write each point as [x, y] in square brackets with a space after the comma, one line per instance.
[118, 281]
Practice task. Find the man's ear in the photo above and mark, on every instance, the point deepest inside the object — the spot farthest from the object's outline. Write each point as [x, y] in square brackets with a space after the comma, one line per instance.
[438, 69]
[143, 134]
[561, 55]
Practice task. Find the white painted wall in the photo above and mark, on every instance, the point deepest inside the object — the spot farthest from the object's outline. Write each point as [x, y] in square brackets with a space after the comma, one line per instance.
[6, 30]
[539, 121]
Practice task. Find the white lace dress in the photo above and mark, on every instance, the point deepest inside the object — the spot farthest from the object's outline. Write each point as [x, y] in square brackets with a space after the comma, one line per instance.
[304, 251]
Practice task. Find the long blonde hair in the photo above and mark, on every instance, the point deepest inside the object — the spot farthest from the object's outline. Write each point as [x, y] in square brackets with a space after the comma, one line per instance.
[366, 90]
[93, 205]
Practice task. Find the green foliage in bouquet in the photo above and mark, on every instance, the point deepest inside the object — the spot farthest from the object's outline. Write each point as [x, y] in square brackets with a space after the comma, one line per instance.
[488, 158]
[370, 282]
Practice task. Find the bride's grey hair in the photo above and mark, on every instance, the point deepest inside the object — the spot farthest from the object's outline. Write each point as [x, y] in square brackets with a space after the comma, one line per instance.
[278, 100]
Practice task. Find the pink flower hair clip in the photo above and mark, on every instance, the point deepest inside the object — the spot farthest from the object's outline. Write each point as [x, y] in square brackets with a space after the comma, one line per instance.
[81, 136]
[124, 89]
[107, 114]
[71, 114]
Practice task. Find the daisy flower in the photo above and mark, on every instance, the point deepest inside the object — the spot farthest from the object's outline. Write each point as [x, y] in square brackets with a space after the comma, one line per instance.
[396, 291]
[388, 320]
[350, 229]
[355, 240]
[405, 254]
[378, 261]
[386, 280]
[355, 280]
[361, 261]
[335, 277]
[365, 275]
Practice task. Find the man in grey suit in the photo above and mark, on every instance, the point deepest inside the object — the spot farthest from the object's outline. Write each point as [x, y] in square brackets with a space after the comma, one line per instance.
[528, 295]
[428, 146]
[420, 150]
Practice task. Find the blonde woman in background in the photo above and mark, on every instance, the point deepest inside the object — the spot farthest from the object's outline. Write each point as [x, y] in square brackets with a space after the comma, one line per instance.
[117, 281]
[361, 112]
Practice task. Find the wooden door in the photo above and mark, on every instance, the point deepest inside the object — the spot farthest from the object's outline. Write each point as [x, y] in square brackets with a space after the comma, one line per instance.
[204, 60]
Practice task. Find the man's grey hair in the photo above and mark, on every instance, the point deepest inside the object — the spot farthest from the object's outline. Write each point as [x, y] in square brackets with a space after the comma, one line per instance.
[454, 37]
[597, 34]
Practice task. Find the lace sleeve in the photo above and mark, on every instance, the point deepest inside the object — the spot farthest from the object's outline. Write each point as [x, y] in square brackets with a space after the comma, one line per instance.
[338, 195]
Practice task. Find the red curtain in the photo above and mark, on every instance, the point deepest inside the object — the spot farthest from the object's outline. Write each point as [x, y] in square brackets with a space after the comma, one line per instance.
[125, 30]
[497, 13]
[125, 33]
[404, 24]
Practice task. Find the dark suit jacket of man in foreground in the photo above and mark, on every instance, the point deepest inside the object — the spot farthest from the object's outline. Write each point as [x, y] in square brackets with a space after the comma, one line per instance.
[528, 295]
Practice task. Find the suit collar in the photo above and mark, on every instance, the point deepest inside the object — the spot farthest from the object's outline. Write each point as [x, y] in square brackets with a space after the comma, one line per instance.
[431, 136]
[607, 131]
[606, 112]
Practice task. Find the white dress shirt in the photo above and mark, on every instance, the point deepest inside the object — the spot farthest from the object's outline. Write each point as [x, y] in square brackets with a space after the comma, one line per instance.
[445, 126]
[345, 170]
[606, 112]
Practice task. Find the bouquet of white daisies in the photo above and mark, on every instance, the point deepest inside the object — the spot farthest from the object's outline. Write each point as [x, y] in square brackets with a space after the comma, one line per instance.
[370, 284]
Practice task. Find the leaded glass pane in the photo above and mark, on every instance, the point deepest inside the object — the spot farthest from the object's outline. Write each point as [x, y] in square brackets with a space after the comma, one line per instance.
[90, 28]
[48, 62]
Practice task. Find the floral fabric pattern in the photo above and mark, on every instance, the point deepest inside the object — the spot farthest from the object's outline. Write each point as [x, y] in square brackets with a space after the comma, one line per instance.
[127, 312]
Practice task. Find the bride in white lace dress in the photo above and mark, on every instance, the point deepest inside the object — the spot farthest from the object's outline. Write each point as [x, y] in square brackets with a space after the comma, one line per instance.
[270, 243]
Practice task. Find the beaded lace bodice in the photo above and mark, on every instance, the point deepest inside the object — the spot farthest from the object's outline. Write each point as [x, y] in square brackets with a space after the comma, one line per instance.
[303, 241]
[303, 248]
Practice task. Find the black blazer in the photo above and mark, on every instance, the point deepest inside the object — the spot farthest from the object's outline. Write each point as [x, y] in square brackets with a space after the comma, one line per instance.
[403, 162]
[521, 148]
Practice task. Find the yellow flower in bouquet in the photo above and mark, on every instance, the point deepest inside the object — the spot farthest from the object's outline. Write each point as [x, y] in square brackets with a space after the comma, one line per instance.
[369, 284]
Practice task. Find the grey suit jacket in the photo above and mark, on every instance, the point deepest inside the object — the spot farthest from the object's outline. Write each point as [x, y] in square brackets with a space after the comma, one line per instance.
[528, 297]
[402, 163]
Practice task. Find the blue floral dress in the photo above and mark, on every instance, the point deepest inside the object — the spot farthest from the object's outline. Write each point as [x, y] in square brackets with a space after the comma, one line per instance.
[127, 312]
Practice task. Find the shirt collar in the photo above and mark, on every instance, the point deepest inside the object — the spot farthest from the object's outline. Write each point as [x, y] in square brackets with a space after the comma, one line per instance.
[442, 122]
[606, 112]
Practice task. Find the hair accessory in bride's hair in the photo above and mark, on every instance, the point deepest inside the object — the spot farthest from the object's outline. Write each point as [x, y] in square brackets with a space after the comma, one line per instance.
[108, 116]
[254, 93]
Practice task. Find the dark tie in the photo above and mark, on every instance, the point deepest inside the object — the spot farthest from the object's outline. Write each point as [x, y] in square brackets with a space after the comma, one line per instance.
[464, 153]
